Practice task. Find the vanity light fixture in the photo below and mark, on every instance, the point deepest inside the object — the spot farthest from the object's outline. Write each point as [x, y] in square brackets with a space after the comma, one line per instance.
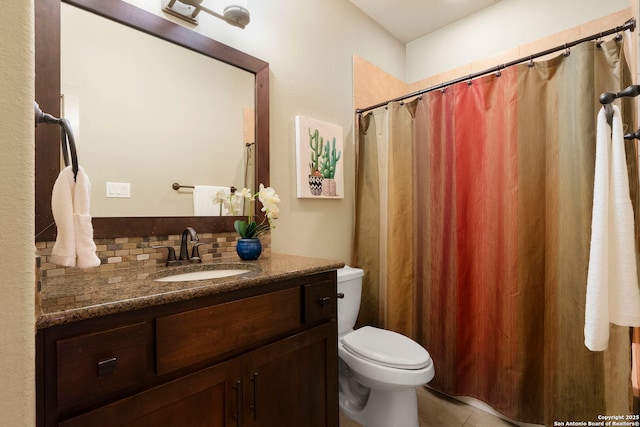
[235, 15]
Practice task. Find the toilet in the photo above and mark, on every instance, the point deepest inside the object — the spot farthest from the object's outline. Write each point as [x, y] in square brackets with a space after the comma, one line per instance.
[379, 370]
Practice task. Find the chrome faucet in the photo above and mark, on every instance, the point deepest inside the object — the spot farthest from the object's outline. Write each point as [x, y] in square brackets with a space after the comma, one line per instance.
[184, 250]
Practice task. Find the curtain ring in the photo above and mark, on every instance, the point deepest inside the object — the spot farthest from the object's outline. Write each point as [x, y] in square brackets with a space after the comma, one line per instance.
[567, 52]
[531, 63]
[618, 37]
[443, 90]
[599, 41]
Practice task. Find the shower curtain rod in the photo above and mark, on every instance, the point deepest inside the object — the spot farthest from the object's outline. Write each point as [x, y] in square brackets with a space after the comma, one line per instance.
[628, 25]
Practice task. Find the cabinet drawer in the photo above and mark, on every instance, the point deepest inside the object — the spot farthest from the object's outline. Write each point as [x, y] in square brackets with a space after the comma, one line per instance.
[320, 302]
[92, 366]
[205, 398]
[194, 336]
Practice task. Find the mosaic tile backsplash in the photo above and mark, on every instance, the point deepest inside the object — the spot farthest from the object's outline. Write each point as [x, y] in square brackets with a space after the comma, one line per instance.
[124, 252]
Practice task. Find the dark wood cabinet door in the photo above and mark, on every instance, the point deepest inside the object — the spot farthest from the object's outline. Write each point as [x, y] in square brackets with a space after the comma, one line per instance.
[208, 398]
[293, 382]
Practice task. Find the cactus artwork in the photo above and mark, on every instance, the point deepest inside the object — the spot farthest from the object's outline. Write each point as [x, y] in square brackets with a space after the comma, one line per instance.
[319, 147]
[330, 160]
[315, 143]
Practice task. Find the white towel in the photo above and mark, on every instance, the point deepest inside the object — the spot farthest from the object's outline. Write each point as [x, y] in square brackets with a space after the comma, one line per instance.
[613, 295]
[203, 196]
[74, 246]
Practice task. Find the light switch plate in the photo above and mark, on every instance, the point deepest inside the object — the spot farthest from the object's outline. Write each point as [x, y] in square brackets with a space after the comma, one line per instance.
[119, 189]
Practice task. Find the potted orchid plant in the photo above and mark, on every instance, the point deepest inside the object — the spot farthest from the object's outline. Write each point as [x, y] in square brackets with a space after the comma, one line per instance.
[249, 245]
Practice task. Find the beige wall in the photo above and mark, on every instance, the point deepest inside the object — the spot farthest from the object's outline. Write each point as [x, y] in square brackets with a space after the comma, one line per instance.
[372, 85]
[17, 388]
[309, 47]
[534, 46]
[499, 28]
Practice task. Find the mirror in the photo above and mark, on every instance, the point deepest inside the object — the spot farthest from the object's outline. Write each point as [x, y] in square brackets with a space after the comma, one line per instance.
[181, 117]
[190, 45]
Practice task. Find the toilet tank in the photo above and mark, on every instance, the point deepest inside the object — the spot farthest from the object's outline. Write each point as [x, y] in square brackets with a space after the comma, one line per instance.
[350, 284]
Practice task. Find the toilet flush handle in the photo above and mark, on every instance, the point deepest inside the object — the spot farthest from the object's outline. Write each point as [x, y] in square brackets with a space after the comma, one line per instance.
[324, 301]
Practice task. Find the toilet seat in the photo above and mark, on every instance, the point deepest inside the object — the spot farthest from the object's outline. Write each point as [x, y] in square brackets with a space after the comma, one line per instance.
[386, 348]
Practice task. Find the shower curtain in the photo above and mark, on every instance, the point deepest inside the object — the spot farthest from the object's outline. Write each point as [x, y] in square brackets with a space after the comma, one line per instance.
[473, 223]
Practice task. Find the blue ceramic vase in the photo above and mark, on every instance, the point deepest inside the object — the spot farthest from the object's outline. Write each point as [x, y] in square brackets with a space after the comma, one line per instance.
[249, 249]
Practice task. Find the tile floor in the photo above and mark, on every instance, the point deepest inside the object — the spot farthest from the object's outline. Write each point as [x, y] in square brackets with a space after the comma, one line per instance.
[437, 410]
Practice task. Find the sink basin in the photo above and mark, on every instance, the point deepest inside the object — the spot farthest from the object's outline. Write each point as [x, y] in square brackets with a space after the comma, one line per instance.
[202, 275]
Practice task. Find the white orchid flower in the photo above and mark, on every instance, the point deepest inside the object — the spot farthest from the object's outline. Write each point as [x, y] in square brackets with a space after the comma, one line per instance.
[269, 199]
[236, 204]
[272, 212]
[268, 196]
[221, 196]
[245, 193]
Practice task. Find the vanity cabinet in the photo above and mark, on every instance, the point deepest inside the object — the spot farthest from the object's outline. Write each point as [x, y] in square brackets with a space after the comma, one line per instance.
[260, 357]
[288, 381]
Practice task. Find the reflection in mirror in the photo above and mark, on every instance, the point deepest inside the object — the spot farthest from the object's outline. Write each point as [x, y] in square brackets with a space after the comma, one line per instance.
[254, 125]
[181, 117]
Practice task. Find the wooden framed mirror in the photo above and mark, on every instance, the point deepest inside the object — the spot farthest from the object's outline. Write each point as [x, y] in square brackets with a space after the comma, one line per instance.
[48, 66]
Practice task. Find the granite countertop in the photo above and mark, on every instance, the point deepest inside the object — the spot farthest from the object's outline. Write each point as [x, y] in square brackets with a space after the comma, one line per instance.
[81, 296]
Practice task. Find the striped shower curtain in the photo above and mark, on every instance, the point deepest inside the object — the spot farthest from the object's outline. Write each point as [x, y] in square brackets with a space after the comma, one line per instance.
[473, 223]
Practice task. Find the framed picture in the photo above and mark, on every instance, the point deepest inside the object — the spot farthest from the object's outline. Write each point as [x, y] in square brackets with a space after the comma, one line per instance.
[319, 159]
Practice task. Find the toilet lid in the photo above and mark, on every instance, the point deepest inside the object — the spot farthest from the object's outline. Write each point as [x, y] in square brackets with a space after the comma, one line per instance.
[386, 348]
